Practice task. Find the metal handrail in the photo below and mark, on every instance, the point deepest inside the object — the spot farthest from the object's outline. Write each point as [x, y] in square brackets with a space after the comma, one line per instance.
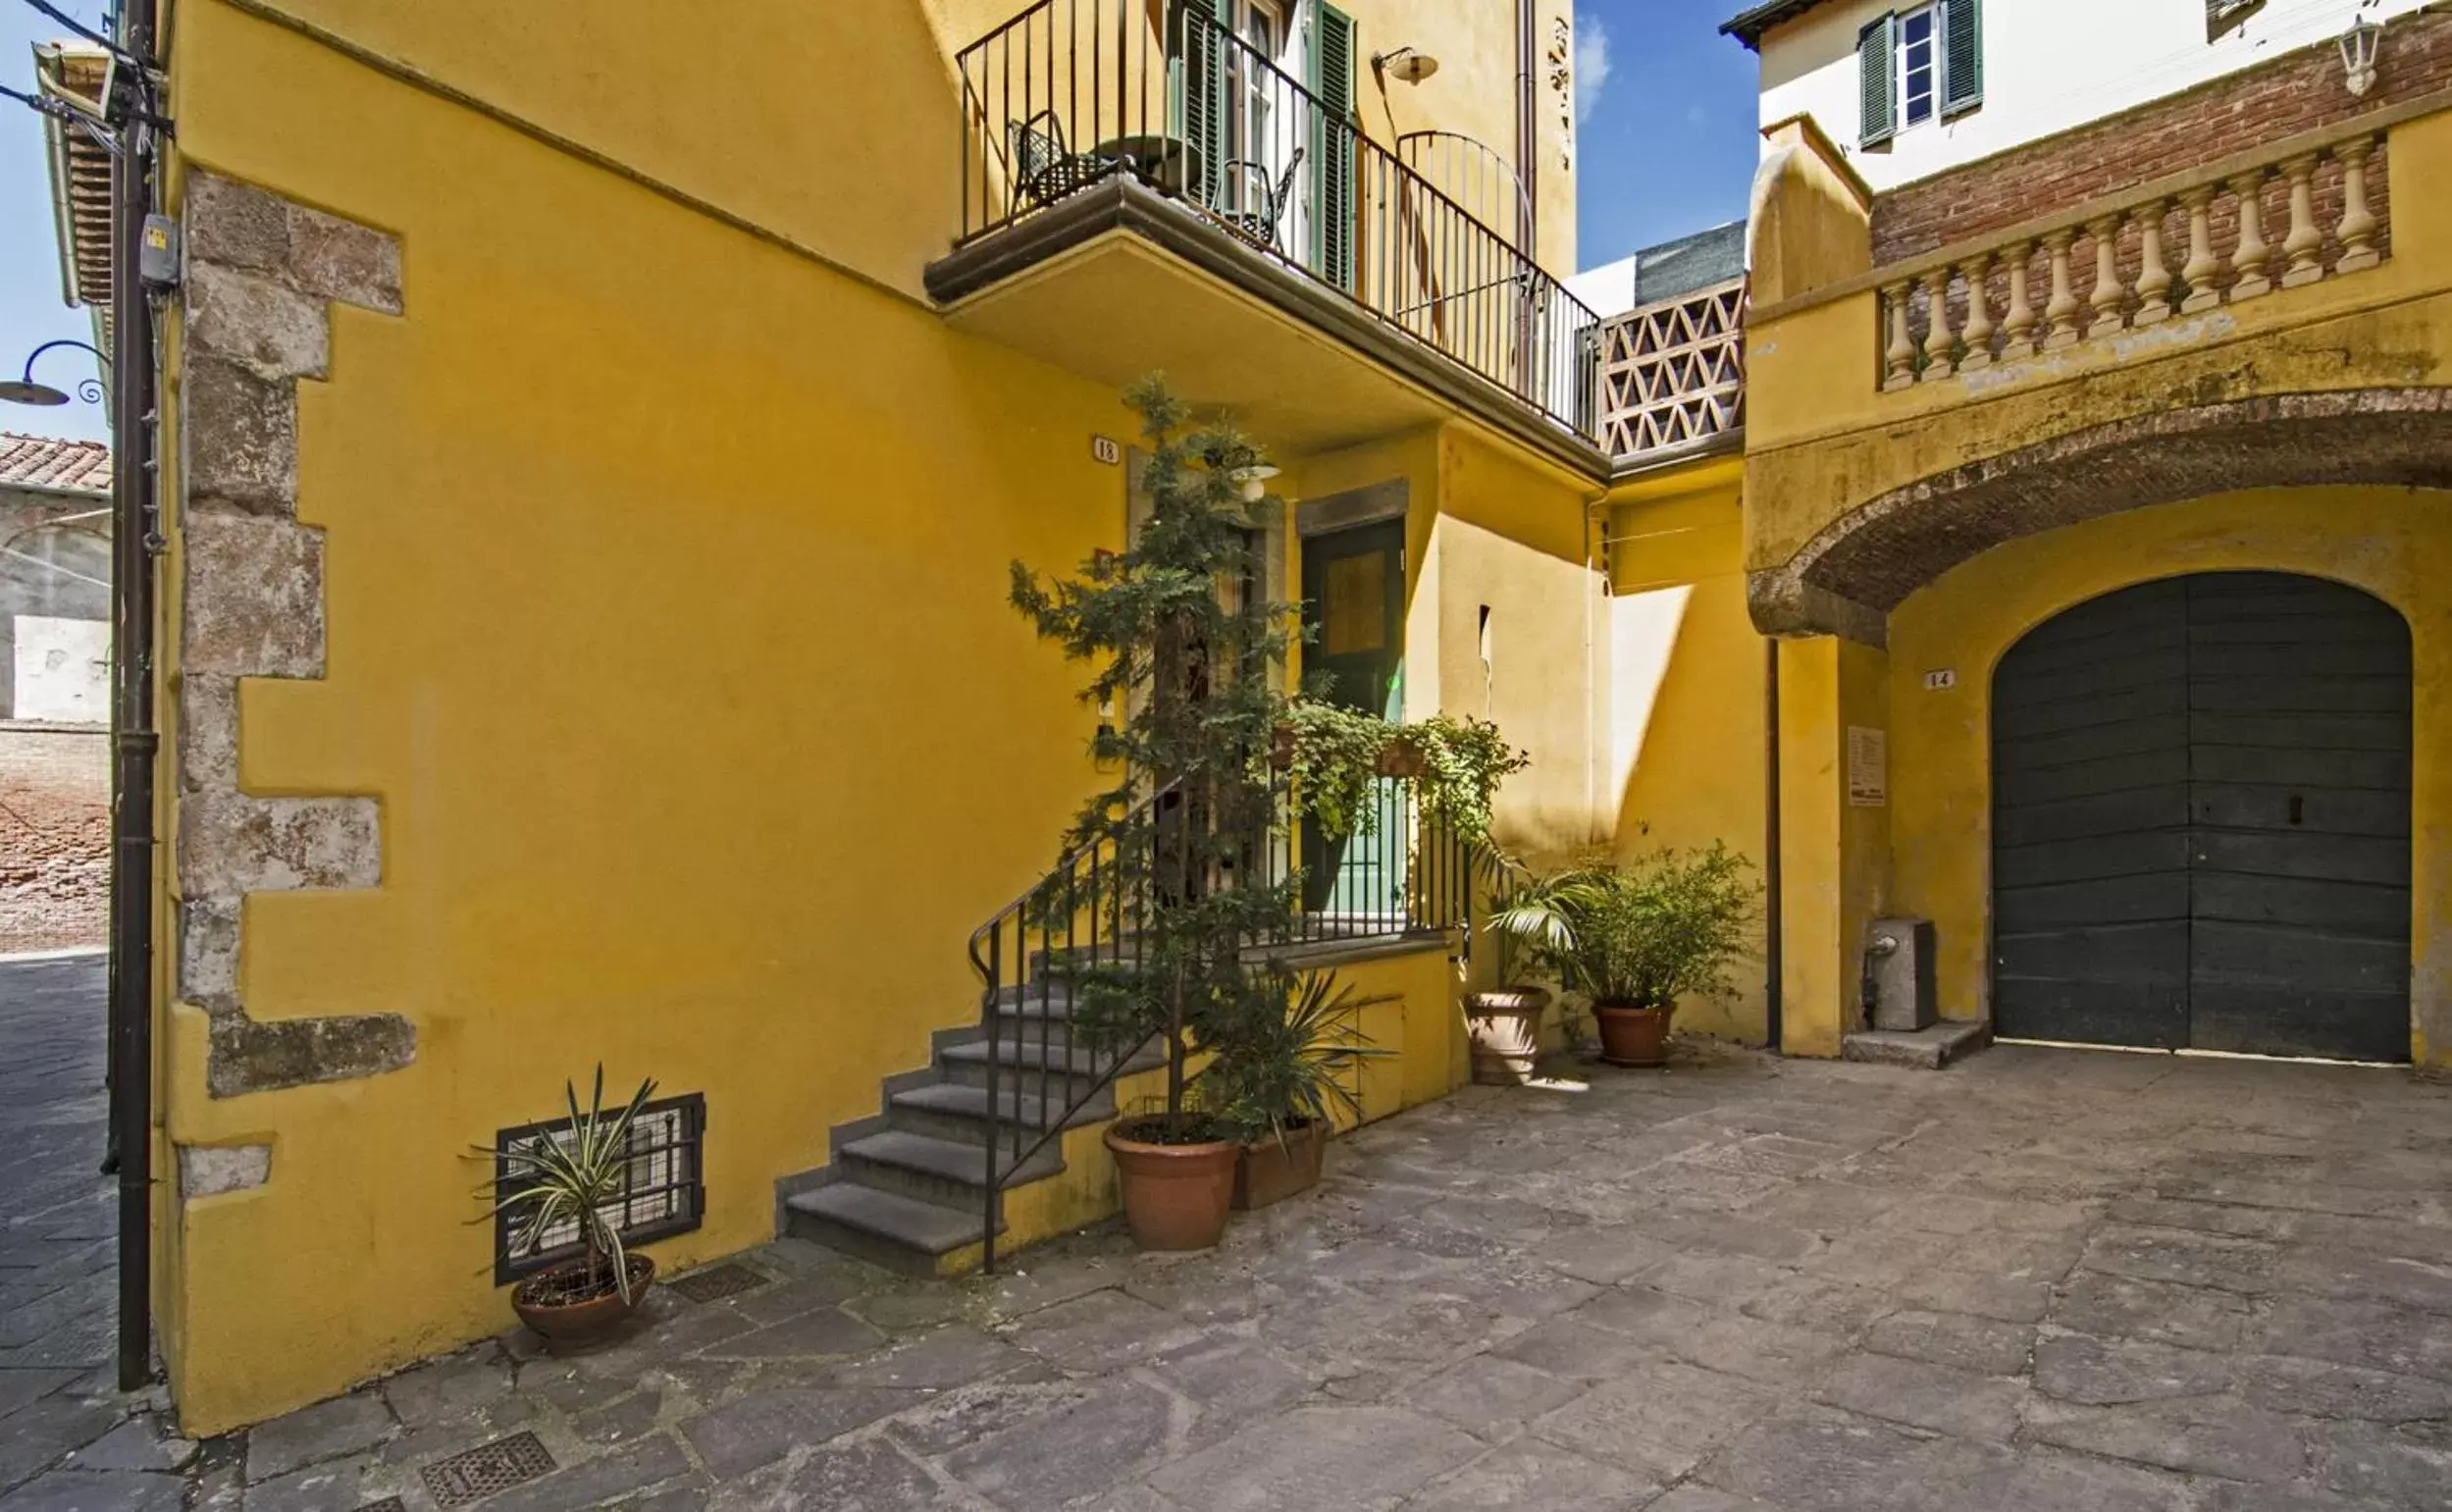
[1484, 163]
[1115, 74]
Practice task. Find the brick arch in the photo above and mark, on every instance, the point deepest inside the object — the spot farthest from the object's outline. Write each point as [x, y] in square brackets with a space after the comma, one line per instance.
[1848, 577]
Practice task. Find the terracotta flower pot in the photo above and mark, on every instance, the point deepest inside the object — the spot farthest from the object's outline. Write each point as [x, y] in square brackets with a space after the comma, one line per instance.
[1403, 758]
[1633, 1036]
[538, 1301]
[1506, 1030]
[1176, 1196]
[1282, 748]
[1271, 1171]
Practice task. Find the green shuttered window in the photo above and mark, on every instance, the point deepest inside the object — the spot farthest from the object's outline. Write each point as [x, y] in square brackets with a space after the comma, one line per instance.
[1333, 148]
[1877, 53]
[1917, 66]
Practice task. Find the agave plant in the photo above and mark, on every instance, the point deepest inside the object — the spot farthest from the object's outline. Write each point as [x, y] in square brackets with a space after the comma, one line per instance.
[1281, 1063]
[573, 1180]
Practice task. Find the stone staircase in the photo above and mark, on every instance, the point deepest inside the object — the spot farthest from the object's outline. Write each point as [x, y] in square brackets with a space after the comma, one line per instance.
[907, 1188]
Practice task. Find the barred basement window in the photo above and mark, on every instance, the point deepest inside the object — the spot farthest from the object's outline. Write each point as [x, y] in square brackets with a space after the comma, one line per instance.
[663, 1189]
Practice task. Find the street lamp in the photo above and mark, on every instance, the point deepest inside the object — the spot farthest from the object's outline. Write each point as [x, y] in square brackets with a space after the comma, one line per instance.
[2358, 55]
[25, 390]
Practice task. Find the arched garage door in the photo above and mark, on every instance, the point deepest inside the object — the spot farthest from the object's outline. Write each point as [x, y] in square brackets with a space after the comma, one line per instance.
[2201, 821]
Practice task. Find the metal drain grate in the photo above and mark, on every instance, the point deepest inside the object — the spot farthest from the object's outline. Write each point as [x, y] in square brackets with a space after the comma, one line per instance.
[717, 1282]
[387, 1504]
[478, 1473]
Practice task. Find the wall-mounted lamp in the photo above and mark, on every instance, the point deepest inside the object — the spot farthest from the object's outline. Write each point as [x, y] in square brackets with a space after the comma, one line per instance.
[2358, 54]
[25, 390]
[1255, 481]
[1409, 64]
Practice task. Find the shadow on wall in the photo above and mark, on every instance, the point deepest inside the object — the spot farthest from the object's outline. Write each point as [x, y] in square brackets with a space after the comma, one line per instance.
[1686, 716]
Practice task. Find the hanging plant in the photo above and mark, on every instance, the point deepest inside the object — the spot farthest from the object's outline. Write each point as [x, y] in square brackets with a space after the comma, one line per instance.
[1464, 761]
[1332, 755]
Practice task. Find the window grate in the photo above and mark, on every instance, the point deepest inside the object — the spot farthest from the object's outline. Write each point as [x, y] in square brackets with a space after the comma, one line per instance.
[663, 1185]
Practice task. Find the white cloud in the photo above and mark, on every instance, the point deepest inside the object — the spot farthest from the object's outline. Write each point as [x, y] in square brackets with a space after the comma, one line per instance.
[1591, 63]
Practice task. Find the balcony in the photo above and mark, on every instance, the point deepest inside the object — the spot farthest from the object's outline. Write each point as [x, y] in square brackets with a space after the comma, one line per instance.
[1673, 377]
[1143, 189]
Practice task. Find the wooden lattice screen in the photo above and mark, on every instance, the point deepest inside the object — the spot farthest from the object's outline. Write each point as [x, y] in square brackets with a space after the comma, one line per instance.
[1674, 373]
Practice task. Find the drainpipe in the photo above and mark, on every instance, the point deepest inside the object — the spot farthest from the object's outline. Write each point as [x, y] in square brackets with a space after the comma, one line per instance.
[1527, 129]
[1774, 955]
[133, 740]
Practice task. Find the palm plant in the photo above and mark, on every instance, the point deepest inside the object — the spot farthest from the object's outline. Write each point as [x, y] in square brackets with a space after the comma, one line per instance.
[573, 1180]
[1638, 934]
[1283, 1061]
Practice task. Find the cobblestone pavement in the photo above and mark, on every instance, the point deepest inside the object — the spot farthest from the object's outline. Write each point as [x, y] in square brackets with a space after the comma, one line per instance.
[57, 1289]
[2045, 1280]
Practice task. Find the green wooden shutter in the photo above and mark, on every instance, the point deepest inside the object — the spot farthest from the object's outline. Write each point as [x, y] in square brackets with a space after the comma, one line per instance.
[1198, 65]
[1963, 55]
[1334, 213]
[1877, 71]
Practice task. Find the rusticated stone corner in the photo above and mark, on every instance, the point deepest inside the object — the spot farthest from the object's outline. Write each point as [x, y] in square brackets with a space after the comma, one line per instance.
[262, 275]
[210, 1169]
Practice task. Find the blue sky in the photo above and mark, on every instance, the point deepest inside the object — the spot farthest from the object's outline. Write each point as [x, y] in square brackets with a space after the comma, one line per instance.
[30, 310]
[1668, 143]
[1668, 146]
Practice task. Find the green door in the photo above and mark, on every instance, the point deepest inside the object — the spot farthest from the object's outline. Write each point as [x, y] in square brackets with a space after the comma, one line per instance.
[1354, 607]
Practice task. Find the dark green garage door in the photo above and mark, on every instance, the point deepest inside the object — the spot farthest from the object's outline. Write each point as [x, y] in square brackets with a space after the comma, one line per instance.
[2201, 821]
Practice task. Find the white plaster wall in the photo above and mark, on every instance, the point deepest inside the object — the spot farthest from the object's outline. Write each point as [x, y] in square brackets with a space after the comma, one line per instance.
[63, 671]
[2048, 65]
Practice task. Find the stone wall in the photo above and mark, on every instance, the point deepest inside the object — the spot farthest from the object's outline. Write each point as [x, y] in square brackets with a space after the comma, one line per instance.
[262, 273]
[55, 838]
[2299, 92]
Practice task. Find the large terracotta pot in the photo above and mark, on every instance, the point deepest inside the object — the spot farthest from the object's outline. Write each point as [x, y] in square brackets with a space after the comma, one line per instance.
[537, 1301]
[1272, 1170]
[1506, 1030]
[1176, 1196]
[1633, 1036]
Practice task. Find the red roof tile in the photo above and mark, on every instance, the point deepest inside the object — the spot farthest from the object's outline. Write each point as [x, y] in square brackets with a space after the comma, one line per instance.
[48, 463]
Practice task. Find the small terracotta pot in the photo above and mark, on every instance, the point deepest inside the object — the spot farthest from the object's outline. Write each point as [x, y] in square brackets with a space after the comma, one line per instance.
[579, 1322]
[1633, 1036]
[1272, 1171]
[1506, 1030]
[1176, 1196]
[1403, 758]
[1282, 748]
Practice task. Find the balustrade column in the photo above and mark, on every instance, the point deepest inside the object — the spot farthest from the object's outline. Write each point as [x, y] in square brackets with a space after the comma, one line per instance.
[2248, 260]
[2202, 266]
[2108, 296]
[1978, 333]
[2060, 314]
[2153, 280]
[1938, 341]
[1898, 360]
[2017, 328]
[2358, 222]
[2305, 245]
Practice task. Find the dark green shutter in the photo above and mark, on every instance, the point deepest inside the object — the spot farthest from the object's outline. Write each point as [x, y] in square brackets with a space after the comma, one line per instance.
[1877, 68]
[1333, 148]
[1963, 55]
[1199, 65]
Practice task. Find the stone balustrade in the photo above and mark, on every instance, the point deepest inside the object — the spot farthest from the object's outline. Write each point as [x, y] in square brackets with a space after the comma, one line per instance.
[2165, 251]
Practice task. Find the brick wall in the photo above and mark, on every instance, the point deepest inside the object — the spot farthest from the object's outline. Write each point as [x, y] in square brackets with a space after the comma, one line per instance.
[55, 828]
[2298, 92]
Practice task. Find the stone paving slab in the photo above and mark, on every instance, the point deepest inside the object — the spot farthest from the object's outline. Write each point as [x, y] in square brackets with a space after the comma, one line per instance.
[2042, 1280]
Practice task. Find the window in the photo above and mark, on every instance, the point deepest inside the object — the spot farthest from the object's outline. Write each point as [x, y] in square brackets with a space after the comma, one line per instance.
[1919, 65]
[1920, 68]
[664, 1193]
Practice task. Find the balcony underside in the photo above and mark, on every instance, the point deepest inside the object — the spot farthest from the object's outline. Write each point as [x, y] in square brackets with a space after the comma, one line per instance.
[1118, 280]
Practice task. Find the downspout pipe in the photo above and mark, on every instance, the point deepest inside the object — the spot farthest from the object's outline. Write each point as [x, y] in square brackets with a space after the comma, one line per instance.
[1528, 129]
[1774, 954]
[133, 739]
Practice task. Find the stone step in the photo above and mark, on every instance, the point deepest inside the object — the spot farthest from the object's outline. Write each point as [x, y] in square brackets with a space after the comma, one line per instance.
[967, 1063]
[1927, 1049]
[950, 1173]
[952, 1109]
[901, 1233]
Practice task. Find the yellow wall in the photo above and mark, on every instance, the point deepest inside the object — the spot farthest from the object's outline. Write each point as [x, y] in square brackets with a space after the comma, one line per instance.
[1835, 852]
[2389, 541]
[667, 578]
[1684, 699]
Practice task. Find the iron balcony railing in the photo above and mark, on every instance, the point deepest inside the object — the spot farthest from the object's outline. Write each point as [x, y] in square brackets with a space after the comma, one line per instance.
[1673, 373]
[1394, 876]
[1073, 92]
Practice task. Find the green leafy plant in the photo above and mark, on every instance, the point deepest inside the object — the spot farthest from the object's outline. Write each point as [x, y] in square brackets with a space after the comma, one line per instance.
[1638, 934]
[573, 1180]
[1283, 1063]
[1333, 763]
[1464, 760]
[1192, 668]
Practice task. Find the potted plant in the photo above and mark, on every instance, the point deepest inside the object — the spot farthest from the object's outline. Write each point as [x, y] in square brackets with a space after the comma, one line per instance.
[1636, 937]
[1504, 1022]
[573, 1180]
[1278, 1077]
[1192, 805]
